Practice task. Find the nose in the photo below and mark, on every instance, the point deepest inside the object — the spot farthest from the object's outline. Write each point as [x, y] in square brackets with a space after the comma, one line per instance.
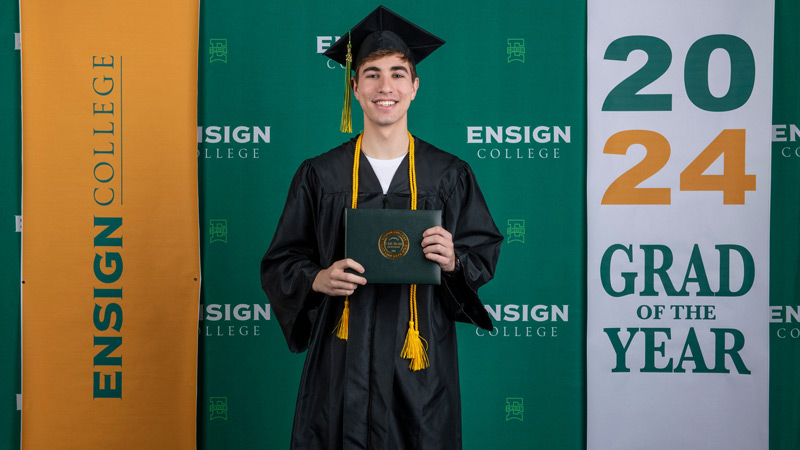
[386, 85]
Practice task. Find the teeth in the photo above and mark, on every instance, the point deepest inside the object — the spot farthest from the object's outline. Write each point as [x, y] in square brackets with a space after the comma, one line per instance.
[386, 103]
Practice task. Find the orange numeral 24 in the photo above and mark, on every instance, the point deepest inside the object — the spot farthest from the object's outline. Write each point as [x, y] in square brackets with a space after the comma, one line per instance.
[733, 182]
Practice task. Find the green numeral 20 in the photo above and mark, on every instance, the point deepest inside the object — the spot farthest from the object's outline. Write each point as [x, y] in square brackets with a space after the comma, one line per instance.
[626, 97]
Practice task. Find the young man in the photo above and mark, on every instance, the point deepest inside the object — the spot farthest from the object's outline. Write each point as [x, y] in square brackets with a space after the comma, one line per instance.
[358, 388]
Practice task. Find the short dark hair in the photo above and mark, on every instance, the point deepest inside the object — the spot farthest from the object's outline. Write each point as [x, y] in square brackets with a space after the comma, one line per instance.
[378, 54]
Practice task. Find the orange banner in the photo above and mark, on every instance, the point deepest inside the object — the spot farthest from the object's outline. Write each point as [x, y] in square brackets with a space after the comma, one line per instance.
[110, 269]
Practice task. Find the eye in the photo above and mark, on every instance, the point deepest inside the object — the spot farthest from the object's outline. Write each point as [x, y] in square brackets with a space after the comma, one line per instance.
[398, 75]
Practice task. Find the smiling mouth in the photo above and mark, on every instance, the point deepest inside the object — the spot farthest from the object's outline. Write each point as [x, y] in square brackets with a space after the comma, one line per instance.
[385, 103]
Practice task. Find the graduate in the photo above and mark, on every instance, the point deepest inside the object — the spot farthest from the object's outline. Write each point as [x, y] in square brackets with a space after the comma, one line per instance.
[381, 370]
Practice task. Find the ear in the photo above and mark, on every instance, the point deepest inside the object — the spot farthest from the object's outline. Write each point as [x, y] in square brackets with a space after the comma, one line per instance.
[414, 88]
[354, 86]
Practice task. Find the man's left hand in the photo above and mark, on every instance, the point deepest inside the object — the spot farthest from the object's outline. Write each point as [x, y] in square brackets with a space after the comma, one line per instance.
[437, 244]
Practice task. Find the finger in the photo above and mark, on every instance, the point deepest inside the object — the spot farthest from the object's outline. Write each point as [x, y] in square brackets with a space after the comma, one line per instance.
[437, 239]
[436, 230]
[445, 263]
[437, 258]
[356, 279]
[438, 249]
[343, 285]
[352, 264]
[348, 277]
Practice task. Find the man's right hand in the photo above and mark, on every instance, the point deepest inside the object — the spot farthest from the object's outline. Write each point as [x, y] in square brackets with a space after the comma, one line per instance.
[334, 281]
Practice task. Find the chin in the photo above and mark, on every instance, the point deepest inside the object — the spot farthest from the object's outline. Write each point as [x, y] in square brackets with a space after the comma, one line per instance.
[385, 121]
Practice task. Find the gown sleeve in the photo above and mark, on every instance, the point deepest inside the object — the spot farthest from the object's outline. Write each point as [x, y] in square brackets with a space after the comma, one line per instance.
[477, 246]
[291, 263]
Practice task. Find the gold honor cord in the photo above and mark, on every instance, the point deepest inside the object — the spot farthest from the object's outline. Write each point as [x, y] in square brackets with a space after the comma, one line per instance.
[415, 347]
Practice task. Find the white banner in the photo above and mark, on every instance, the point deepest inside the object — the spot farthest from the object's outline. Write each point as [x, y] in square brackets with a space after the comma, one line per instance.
[679, 115]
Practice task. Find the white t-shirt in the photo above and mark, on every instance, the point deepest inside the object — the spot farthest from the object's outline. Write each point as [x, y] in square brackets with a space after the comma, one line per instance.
[385, 169]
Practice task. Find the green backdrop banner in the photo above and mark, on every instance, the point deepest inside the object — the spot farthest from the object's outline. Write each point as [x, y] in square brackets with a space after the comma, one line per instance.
[784, 370]
[505, 94]
[10, 224]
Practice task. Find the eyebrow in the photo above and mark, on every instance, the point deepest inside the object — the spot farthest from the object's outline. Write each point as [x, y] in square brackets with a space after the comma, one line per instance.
[392, 69]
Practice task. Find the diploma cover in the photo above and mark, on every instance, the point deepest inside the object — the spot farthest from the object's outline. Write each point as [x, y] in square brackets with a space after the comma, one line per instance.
[387, 243]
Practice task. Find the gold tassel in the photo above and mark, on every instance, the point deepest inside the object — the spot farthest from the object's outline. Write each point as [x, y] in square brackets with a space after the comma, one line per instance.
[416, 349]
[347, 120]
[342, 329]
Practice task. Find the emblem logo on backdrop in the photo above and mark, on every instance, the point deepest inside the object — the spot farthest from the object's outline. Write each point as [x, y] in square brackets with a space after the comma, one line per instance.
[513, 143]
[218, 50]
[218, 408]
[516, 231]
[515, 408]
[218, 231]
[231, 141]
[516, 50]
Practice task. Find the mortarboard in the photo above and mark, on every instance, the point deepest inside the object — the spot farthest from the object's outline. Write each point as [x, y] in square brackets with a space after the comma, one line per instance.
[380, 30]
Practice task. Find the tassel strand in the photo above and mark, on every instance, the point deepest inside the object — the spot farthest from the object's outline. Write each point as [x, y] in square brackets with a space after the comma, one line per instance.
[342, 328]
[347, 120]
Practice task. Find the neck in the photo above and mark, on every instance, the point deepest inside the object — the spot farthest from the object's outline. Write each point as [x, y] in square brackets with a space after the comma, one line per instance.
[385, 142]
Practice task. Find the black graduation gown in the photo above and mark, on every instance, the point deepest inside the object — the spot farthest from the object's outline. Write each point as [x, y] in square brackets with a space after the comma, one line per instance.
[360, 393]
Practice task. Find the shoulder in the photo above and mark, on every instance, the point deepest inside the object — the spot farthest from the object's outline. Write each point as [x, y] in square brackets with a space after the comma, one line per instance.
[446, 170]
[429, 154]
[332, 168]
[335, 157]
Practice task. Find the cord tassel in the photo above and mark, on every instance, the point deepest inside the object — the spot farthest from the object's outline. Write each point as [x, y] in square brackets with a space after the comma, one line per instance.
[415, 348]
[342, 328]
[347, 120]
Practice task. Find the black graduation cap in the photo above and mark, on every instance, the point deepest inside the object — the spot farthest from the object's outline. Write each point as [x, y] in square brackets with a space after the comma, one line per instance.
[380, 30]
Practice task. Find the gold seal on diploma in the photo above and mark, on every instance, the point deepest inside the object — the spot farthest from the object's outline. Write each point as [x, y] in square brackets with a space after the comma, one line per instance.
[393, 244]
